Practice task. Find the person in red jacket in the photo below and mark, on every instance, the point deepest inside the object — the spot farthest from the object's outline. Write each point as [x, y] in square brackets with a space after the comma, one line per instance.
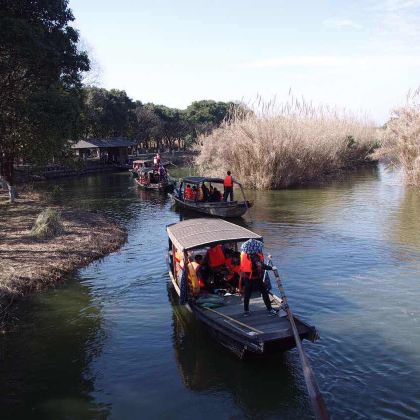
[228, 185]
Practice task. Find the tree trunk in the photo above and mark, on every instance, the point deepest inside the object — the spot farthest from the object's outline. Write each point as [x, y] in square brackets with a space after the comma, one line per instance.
[7, 175]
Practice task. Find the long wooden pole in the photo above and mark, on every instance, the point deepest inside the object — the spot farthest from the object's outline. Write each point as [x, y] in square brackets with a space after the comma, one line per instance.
[245, 200]
[315, 395]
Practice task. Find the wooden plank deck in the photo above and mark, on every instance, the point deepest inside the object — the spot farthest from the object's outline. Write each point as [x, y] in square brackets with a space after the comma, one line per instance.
[259, 323]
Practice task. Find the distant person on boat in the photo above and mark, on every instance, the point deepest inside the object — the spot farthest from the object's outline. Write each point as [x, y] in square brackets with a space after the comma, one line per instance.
[162, 173]
[205, 191]
[228, 187]
[211, 191]
[252, 273]
[194, 195]
[188, 193]
[156, 159]
[214, 195]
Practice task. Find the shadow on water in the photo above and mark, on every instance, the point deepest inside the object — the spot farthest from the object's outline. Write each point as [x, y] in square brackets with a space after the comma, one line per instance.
[259, 387]
[46, 363]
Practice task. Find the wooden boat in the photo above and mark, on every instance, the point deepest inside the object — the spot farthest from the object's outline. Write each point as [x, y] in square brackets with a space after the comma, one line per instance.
[224, 209]
[149, 176]
[258, 334]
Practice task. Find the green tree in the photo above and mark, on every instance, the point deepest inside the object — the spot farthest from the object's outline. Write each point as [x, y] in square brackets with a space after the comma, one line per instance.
[40, 69]
[107, 113]
[204, 116]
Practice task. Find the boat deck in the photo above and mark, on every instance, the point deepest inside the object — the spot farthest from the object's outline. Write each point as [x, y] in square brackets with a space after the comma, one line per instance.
[259, 325]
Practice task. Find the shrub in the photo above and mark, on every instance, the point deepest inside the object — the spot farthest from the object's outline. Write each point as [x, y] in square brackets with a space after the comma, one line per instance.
[48, 224]
[279, 147]
[400, 140]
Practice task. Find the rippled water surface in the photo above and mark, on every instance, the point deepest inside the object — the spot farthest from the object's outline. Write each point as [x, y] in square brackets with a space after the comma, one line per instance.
[110, 341]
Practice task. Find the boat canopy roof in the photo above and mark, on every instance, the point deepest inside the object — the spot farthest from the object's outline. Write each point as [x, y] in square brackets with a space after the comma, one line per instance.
[142, 161]
[201, 179]
[197, 233]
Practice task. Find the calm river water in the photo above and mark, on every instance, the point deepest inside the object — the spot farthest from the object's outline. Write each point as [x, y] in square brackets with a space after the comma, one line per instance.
[110, 342]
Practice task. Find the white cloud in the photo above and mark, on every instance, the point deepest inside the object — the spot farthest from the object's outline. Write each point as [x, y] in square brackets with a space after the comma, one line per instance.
[341, 24]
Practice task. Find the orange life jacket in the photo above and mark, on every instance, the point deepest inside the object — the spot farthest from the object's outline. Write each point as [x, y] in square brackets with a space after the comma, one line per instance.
[232, 268]
[193, 277]
[215, 256]
[228, 181]
[189, 193]
[246, 263]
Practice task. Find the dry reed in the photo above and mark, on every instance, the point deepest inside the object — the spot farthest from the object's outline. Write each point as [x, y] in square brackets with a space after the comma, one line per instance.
[281, 146]
[400, 140]
[47, 225]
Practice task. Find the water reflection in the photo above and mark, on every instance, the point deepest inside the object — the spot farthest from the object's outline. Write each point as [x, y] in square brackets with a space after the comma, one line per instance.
[260, 387]
[46, 364]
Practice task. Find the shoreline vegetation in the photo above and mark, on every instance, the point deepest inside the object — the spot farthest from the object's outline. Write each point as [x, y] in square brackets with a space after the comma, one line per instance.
[30, 263]
[295, 144]
[400, 140]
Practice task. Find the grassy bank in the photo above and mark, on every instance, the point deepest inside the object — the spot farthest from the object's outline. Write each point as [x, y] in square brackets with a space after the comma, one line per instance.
[400, 140]
[30, 262]
[280, 147]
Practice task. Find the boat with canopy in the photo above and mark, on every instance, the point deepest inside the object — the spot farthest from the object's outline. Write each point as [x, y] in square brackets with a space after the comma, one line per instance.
[221, 309]
[218, 208]
[151, 176]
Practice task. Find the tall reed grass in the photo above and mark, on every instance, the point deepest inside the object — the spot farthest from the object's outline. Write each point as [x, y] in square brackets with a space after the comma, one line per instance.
[400, 140]
[275, 146]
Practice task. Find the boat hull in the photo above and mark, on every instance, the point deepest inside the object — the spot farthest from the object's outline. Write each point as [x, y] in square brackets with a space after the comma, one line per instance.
[160, 187]
[223, 209]
[240, 345]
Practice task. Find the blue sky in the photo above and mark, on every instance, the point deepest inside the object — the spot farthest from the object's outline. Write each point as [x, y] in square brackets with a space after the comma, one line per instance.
[361, 55]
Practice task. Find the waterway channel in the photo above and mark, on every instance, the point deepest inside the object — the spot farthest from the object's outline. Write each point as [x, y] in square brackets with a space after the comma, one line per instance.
[110, 342]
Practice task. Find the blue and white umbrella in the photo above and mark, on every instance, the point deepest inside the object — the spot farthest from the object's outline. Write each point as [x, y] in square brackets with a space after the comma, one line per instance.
[252, 246]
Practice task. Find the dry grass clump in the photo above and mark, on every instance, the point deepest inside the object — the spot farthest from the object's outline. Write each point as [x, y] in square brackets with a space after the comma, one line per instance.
[400, 140]
[48, 224]
[279, 147]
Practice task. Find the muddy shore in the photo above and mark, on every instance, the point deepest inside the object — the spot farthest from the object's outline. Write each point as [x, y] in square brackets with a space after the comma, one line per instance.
[28, 264]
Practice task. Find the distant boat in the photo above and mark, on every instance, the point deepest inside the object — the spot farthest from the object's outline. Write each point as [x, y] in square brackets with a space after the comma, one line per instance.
[258, 334]
[149, 176]
[224, 209]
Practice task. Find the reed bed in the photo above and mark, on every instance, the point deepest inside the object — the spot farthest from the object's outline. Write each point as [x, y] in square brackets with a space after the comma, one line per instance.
[268, 146]
[400, 139]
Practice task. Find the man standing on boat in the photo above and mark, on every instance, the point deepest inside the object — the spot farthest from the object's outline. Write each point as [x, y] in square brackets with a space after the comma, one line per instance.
[252, 272]
[228, 185]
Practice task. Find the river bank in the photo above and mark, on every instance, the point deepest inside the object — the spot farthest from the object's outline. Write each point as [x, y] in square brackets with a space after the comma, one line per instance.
[29, 264]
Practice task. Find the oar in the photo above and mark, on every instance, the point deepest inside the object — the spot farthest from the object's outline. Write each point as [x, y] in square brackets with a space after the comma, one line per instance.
[317, 400]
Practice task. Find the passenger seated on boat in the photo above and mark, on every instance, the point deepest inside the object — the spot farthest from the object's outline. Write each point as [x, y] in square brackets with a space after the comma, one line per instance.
[205, 192]
[194, 275]
[216, 261]
[251, 279]
[199, 194]
[194, 189]
[215, 195]
[188, 193]
[234, 267]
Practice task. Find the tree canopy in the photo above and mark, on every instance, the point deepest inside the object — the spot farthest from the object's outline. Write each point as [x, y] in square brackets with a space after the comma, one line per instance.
[40, 80]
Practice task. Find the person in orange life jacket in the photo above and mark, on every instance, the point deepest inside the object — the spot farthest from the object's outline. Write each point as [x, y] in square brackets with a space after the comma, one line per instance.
[188, 193]
[194, 275]
[228, 186]
[233, 266]
[251, 279]
[215, 256]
